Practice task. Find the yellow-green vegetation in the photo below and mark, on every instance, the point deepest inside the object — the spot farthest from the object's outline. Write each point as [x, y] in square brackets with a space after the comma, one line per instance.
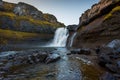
[30, 19]
[90, 72]
[117, 0]
[8, 6]
[111, 13]
[10, 14]
[6, 35]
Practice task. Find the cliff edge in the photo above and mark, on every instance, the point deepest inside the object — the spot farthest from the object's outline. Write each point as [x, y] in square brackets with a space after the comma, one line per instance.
[99, 25]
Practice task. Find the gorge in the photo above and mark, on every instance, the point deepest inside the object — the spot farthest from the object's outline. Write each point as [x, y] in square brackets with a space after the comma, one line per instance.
[36, 46]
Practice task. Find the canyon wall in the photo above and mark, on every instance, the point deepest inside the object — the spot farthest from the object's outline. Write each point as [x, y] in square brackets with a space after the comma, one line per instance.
[99, 25]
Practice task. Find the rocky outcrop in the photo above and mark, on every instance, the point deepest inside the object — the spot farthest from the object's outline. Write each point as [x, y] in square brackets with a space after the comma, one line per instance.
[72, 27]
[99, 25]
[101, 8]
[109, 56]
[27, 18]
[10, 62]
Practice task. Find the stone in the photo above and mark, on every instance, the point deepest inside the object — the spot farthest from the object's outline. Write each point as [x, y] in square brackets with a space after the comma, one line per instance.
[118, 64]
[114, 44]
[81, 51]
[104, 59]
[85, 51]
[75, 51]
[50, 74]
[72, 27]
[52, 58]
[112, 67]
[107, 76]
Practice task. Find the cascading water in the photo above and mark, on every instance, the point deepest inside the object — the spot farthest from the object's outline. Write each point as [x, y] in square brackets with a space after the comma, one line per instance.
[72, 39]
[60, 38]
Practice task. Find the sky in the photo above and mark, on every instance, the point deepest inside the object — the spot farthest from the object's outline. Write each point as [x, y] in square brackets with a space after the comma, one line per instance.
[66, 11]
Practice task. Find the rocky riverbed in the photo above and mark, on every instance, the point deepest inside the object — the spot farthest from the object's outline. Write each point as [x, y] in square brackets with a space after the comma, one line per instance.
[47, 64]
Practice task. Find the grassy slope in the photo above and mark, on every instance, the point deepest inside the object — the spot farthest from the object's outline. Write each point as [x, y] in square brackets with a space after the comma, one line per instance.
[6, 35]
[30, 19]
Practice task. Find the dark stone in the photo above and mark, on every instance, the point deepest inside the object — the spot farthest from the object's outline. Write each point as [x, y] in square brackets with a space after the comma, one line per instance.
[85, 51]
[112, 67]
[72, 27]
[75, 51]
[104, 59]
[81, 51]
[107, 76]
[118, 64]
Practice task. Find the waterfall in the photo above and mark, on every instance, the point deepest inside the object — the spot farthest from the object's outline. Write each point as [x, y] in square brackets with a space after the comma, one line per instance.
[72, 39]
[60, 38]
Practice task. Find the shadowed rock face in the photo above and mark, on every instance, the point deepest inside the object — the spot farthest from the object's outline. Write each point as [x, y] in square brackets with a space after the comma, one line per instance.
[99, 25]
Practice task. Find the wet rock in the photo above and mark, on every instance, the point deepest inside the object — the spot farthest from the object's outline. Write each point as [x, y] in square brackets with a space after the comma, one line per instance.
[51, 75]
[85, 51]
[112, 67]
[115, 44]
[81, 51]
[52, 58]
[30, 61]
[118, 64]
[104, 59]
[75, 51]
[42, 56]
[107, 76]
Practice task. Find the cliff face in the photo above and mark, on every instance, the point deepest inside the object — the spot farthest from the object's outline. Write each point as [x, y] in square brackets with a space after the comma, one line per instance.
[20, 23]
[100, 24]
[24, 17]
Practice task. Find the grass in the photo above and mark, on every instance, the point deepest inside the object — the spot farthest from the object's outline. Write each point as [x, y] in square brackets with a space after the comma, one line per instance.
[108, 16]
[6, 35]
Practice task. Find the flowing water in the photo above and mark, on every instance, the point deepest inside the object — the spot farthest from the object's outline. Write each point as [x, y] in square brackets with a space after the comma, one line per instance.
[72, 39]
[60, 38]
[64, 69]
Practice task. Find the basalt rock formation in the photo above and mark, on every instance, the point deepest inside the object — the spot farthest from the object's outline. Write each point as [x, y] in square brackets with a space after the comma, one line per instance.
[99, 25]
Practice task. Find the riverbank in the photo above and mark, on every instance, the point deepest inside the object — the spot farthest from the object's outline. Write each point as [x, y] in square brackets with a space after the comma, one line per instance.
[72, 67]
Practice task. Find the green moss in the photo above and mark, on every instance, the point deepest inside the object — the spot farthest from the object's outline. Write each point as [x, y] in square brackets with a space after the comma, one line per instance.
[108, 16]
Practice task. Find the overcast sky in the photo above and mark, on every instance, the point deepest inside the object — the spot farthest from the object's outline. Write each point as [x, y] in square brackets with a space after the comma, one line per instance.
[66, 11]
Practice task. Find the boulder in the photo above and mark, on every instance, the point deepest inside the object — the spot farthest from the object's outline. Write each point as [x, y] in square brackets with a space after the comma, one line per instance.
[104, 59]
[115, 44]
[85, 51]
[107, 76]
[72, 27]
[81, 51]
[112, 67]
[52, 58]
[75, 51]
